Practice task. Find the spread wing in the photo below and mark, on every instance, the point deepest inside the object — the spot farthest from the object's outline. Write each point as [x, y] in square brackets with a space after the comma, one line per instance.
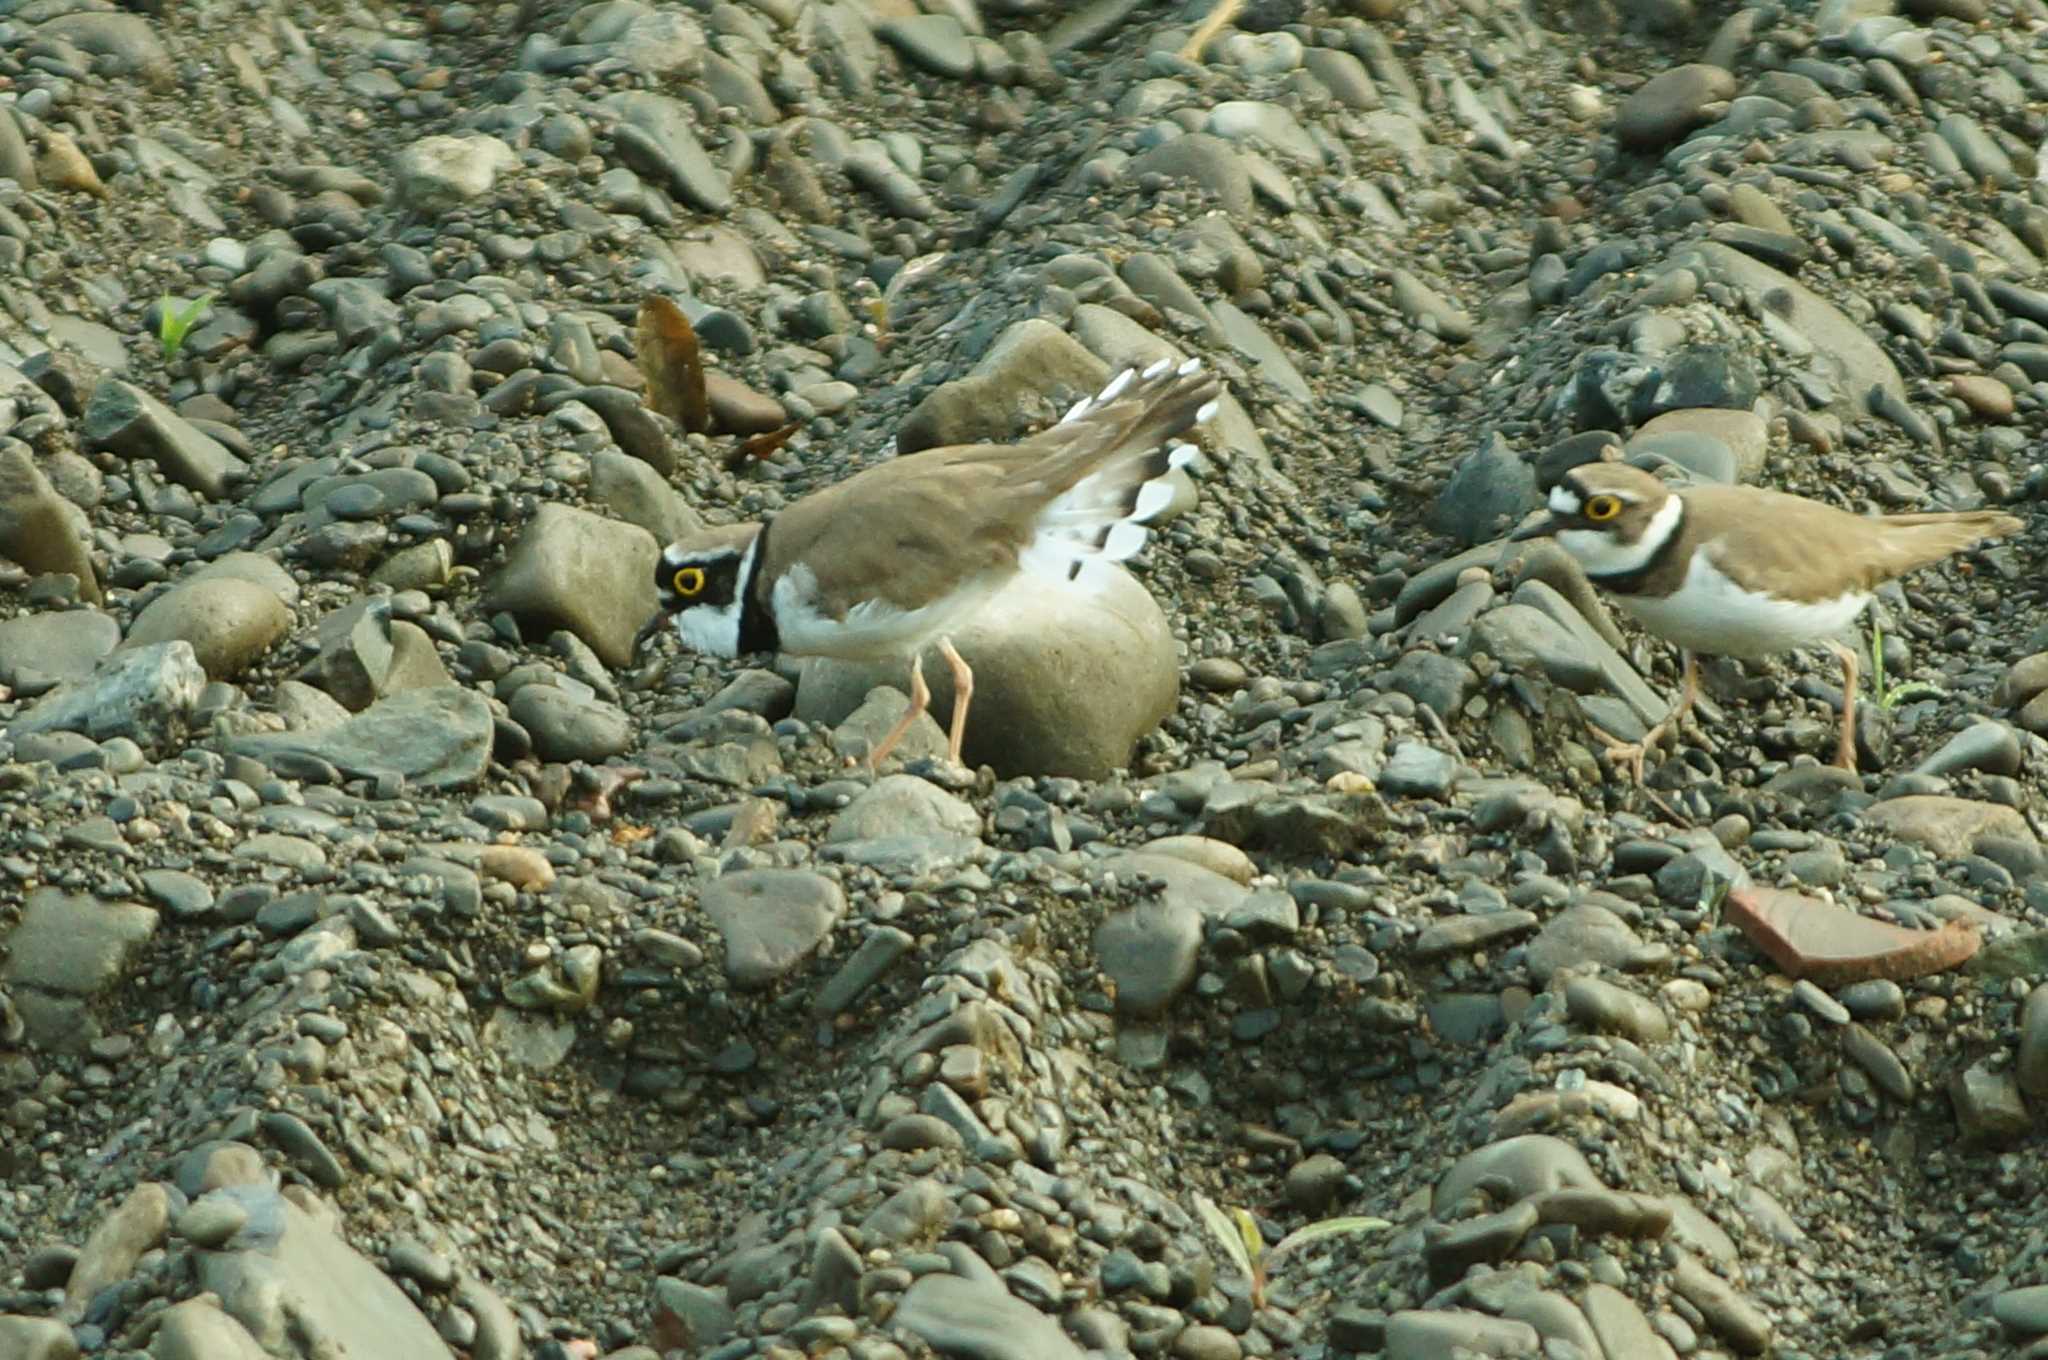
[910, 529]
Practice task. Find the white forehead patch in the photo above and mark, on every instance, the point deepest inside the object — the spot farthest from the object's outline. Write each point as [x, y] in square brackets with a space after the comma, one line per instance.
[1563, 500]
[1600, 553]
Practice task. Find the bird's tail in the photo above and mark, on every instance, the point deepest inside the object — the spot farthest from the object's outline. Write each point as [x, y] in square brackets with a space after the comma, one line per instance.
[1107, 471]
[1933, 535]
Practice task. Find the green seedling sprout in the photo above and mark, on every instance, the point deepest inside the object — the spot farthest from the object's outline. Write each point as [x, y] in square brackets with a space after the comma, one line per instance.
[1240, 1236]
[174, 323]
[1890, 696]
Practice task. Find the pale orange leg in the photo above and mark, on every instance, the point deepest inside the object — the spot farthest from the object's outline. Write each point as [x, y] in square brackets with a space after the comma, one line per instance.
[963, 694]
[1845, 749]
[1633, 753]
[920, 697]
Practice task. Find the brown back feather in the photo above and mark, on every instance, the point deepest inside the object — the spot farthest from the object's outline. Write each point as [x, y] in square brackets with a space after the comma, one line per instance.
[1800, 549]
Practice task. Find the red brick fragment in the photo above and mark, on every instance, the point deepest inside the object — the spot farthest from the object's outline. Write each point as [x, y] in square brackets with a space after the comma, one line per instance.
[1812, 938]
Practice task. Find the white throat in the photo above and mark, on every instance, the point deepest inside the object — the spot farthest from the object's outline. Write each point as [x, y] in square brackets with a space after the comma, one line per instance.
[714, 630]
[1601, 554]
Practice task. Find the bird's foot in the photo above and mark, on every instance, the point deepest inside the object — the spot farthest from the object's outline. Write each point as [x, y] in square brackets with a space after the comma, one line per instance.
[1632, 754]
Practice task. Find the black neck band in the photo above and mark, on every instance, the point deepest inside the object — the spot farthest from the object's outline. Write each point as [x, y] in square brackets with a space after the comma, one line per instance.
[758, 632]
[1631, 582]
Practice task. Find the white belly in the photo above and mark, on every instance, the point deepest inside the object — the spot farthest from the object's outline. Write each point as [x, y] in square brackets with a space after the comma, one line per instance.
[1709, 614]
[872, 631]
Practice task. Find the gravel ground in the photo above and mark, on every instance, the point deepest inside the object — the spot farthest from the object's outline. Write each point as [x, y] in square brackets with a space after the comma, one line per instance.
[395, 963]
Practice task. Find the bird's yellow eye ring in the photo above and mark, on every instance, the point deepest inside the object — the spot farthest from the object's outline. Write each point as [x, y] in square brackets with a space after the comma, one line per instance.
[1602, 508]
[688, 581]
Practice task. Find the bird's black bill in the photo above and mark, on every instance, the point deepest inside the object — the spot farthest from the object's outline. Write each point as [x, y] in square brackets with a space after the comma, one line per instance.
[648, 629]
[1542, 528]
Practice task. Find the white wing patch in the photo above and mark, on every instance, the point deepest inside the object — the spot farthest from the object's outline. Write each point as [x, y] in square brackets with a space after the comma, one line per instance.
[1091, 524]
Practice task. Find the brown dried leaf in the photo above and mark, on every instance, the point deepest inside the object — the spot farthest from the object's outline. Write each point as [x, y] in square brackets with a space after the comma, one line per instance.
[761, 445]
[672, 364]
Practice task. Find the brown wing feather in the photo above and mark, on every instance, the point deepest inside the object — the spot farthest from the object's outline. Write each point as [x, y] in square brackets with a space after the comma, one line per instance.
[906, 531]
[1800, 549]
[1147, 414]
[950, 513]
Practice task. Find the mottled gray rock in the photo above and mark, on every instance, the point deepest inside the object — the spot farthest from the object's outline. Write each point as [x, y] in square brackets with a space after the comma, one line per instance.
[436, 174]
[1530, 640]
[1671, 104]
[125, 44]
[365, 655]
[1028, 377]
[1185, 882]
[1205, 160]
[633, 491]
[1842, 350]
[297, 1276]
[1491, 489]
[656, 137]
[1150, 952]
[1588, 932]
[931, 42]
[1514, 1169]
[659, 41]
[198, 1330]
[139, 1223]
[146, 695]
[66, 951]
[957, 1316]
[36, 1338]
[918, 1209]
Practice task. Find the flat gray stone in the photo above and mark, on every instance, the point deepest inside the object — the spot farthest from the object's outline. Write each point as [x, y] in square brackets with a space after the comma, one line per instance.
[903, 805]
[931, 42]
[567, 726]
[125, 419]
[772, 920]
[61, 645]
[436, 738]
[576, 570]
[984, 1321]
[297, 1277]
[1150, 952]
[198, 1330]
[138, 1224]
[74, 947]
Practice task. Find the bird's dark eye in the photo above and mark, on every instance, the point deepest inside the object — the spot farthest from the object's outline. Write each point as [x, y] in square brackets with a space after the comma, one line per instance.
[1603, 508]
[688, 581]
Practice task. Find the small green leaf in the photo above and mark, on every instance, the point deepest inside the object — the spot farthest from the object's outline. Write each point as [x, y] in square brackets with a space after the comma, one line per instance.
[1248, 1230]
[1316, 1232]
[1228, 1231]
[174, 323]
[1912, 689]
